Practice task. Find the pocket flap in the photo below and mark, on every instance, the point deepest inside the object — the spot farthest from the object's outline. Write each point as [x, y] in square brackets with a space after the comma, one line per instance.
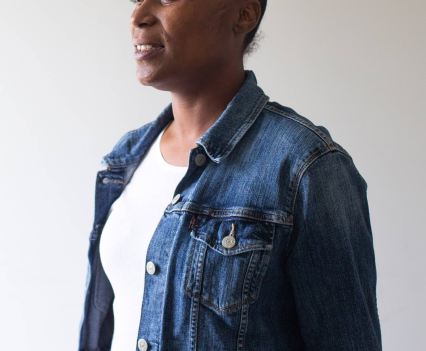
[248, 234]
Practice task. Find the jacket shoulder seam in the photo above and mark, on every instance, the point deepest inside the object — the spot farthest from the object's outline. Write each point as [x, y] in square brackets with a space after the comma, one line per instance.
[306, 166]
[327, 141]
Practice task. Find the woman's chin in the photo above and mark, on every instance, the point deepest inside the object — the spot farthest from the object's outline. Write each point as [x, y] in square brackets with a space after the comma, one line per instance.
[145, 75]
[153, 78]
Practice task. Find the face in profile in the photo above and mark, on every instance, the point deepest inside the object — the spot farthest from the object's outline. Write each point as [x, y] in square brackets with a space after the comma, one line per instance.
[182, 41]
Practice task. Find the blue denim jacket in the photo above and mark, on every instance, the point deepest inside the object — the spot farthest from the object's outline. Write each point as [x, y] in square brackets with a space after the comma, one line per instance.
[266, 243]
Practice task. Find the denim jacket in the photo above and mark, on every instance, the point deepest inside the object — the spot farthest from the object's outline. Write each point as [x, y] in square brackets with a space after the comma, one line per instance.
[266, 243]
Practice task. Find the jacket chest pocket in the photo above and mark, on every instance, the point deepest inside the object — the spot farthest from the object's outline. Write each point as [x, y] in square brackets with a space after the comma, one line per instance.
[227, 260]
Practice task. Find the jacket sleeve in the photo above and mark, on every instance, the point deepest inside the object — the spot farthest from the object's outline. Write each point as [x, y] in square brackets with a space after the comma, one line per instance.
[331, 264]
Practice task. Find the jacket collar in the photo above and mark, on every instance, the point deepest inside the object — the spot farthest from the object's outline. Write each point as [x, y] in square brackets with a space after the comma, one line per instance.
[219, 139]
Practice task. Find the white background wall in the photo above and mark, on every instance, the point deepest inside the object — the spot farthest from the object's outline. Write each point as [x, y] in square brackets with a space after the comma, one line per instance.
[68, 91]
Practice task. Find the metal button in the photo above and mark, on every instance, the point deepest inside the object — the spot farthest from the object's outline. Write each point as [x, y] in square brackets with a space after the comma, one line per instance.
[105, 180]
[150, 267]
[228, 241]
[176, 199]
[200, 159]
[142, 345]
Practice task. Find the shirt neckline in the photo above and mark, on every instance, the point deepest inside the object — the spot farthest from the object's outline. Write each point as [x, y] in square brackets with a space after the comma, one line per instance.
[159, 156]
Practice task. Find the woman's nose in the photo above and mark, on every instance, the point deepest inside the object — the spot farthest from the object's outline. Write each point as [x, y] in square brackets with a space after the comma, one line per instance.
[142, 14]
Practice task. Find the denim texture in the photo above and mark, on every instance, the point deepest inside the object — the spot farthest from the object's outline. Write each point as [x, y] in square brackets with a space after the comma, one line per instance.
[299, 271]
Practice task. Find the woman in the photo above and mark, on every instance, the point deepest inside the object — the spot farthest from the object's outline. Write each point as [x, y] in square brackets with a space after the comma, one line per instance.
[229, 222]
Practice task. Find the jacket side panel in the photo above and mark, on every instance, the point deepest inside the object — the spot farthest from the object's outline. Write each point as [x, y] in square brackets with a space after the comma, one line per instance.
[97, 324]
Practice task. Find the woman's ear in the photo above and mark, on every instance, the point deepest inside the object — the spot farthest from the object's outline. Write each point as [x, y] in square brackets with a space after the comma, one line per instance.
[249, 15]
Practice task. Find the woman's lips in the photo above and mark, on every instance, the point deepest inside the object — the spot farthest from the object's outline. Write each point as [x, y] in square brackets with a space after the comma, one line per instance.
[148, 53]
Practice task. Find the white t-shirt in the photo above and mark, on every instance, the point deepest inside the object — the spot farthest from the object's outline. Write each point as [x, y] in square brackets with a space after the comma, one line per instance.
[126, 235]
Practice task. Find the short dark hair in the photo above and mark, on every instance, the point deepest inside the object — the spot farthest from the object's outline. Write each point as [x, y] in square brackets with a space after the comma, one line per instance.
[250, 36]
